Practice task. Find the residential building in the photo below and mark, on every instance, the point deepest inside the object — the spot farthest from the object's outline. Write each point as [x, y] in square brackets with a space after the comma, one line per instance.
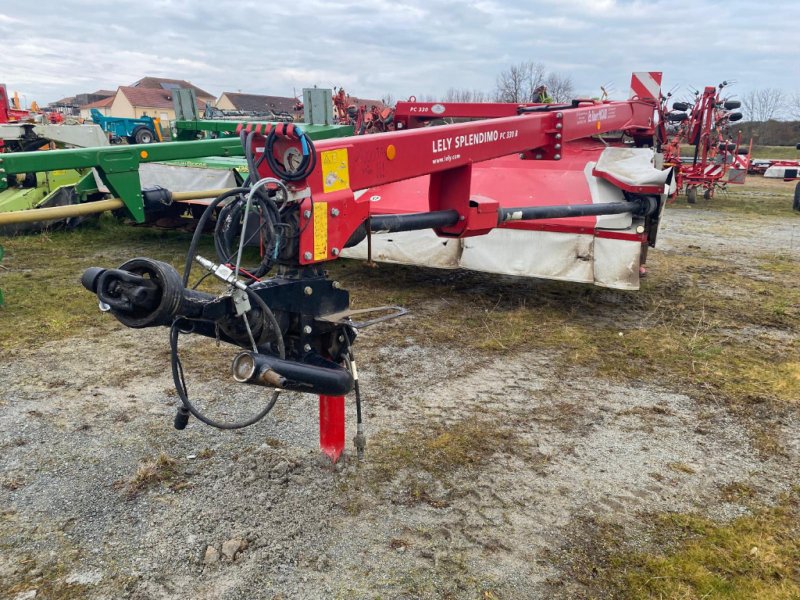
[161, 83]
[137, 102]
[103, 106]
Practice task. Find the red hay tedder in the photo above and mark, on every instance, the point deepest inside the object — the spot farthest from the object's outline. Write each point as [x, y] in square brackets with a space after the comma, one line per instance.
[704, 124]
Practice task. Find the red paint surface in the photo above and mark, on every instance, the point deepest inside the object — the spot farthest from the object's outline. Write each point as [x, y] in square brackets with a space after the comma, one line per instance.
[331, 426]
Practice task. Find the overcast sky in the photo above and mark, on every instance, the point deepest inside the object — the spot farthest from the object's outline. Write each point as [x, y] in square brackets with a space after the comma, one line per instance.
[58, 48]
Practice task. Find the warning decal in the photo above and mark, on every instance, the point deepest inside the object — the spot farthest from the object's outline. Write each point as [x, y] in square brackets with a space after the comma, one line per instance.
[335, 170]
[321, 230]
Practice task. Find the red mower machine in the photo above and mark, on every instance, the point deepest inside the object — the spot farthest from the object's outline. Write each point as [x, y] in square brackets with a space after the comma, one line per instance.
[290, 327]
[704, 124]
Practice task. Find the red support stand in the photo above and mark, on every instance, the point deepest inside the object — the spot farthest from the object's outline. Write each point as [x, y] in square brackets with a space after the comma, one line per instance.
[331, 426]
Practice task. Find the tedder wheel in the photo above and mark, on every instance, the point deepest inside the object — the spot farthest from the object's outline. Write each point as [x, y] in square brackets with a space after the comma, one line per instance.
[707, 195]
[796, 205]
[142, 135]
[691, 195]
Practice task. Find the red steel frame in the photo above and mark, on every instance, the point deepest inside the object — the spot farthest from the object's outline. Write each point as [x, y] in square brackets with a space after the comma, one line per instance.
[447, 154]
[413, 114]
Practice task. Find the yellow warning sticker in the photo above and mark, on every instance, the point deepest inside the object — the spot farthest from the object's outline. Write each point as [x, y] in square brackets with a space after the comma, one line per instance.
[320, 230]
[335, 170]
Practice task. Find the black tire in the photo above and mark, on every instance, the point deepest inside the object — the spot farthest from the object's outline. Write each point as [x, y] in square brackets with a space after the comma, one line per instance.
[796, 204]
[677, 117]
[707, 195]
[680, 106]
[733, 117]
[743, 151]
[732, 104]
[727, 147]
[142, 135]
[691, 195]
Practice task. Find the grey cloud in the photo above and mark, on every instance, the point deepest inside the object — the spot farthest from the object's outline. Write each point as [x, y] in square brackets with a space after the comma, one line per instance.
[402, 47]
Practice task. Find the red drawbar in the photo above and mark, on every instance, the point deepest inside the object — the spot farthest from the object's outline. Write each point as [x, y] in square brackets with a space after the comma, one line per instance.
[331, 425]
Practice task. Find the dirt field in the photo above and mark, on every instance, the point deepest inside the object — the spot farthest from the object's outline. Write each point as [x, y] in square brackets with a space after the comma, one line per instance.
[526, 439]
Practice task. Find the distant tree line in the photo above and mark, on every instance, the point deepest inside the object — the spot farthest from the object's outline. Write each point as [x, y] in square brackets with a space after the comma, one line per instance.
[518, 83]
[771, 117]
[768, 133]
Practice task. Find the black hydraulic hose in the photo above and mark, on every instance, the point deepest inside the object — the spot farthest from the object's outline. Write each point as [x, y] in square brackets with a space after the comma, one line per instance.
[180, 387]
[201, 225]
[177, 367]
[225, 229]
[307, 163]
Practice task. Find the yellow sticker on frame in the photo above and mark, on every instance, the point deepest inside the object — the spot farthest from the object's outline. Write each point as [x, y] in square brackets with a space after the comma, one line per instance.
[335, 170]
[320, 230]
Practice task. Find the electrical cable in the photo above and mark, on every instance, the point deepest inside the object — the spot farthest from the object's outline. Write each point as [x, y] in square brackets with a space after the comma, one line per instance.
[267, 315]
[180, 387]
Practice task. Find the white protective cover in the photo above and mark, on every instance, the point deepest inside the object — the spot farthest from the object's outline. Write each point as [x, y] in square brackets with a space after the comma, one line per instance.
[779, 171]
[178, 178]
[579, 257]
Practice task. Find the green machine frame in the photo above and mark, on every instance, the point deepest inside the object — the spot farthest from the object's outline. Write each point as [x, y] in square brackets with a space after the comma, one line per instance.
[118, 166]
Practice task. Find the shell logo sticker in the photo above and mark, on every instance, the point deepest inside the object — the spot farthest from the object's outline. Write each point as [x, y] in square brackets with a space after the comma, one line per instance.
[438, 109]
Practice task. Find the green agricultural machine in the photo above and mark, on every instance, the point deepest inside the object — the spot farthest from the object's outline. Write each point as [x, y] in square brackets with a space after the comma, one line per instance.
[133, 178]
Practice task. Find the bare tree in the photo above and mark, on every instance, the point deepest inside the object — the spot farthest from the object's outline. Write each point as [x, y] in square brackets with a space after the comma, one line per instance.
[388, 99]
[463, 95]
[763, 105]
[560, 87]
[518, 82]
[794, 106]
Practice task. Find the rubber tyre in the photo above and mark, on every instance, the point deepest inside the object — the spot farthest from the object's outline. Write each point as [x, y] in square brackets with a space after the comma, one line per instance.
[796, 204]
[142, 135]
[732, 104]
[691, 195]
[707, 195]
[680, 106]
[743, 151]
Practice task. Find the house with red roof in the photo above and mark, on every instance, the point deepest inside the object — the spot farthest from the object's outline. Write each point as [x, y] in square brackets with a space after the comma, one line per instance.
[137, 102]
[103, 106]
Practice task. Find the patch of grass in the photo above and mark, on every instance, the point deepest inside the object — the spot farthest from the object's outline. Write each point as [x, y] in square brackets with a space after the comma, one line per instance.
[48, 579]
[681, 468]
[425, 463]
[689, 557]
[752, 557]
[443, 448]
[687, 327]
[152, 472]
[736, 491]
[762, 152]
[41, 276]
[758, 197]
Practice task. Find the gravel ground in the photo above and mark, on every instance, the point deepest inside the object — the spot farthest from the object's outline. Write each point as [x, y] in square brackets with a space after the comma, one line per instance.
[259, 513]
